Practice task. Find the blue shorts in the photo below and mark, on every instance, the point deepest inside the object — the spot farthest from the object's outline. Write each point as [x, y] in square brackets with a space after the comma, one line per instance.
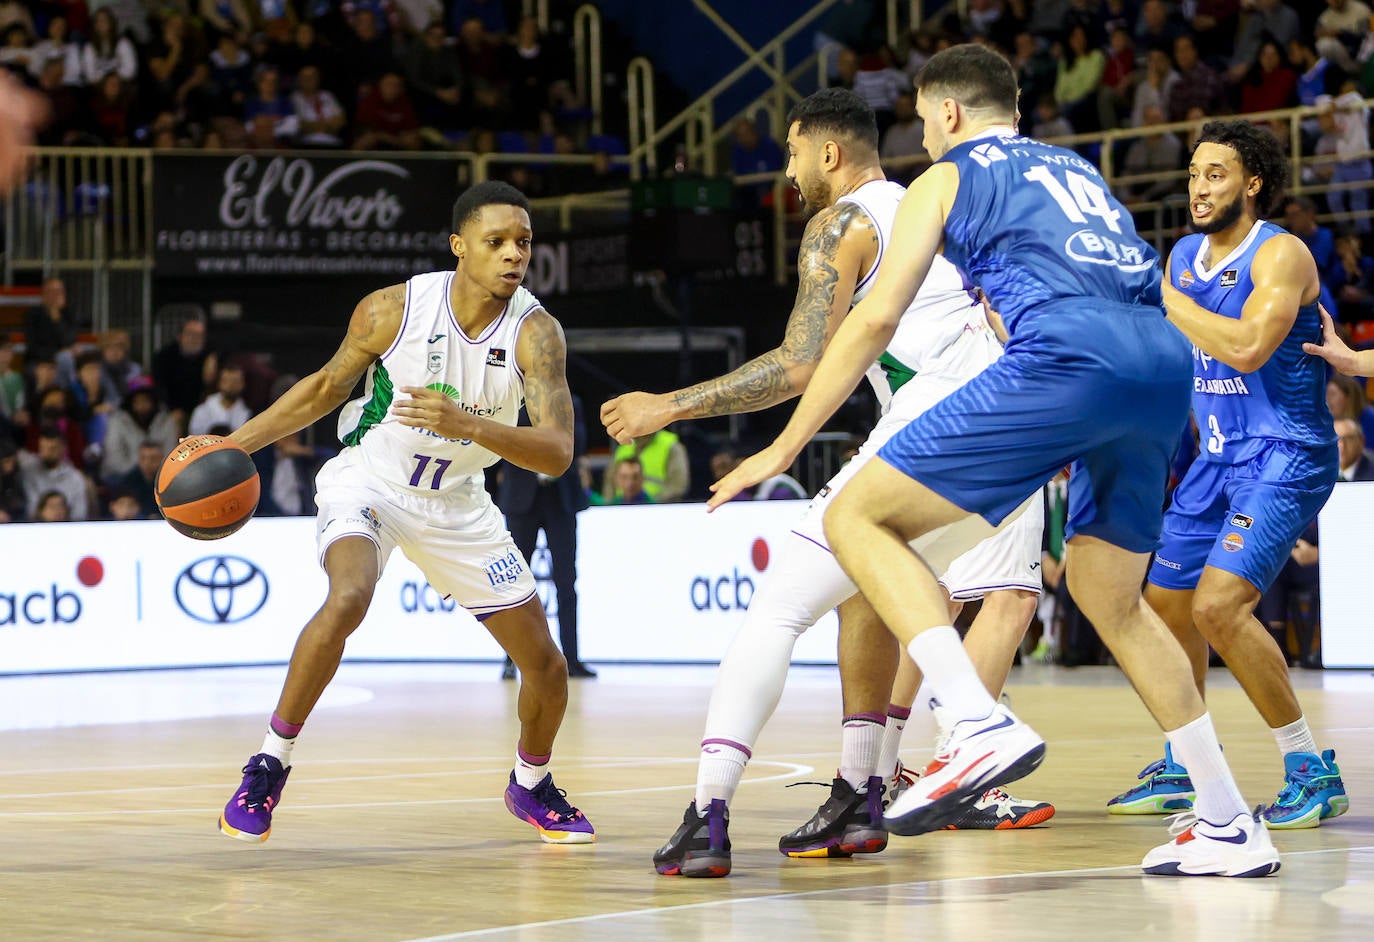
[1242, 518]
[1104, 387]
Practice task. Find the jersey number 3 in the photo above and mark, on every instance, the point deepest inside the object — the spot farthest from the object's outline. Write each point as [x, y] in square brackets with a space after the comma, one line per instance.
[1216, 441]
[1080, 199]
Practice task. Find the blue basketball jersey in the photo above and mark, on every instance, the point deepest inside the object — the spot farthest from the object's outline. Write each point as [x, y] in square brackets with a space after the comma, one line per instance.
[1237, 413]
[1034, 223]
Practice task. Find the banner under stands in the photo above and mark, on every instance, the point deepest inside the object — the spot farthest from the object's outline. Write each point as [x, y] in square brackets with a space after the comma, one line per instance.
[668, 583]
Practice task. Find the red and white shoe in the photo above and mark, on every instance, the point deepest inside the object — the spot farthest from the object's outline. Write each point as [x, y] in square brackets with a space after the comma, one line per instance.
[978, 755]
[1239, 848]
[995, 810]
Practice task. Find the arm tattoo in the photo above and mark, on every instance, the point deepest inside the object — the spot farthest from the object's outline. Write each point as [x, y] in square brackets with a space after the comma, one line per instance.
[353, 357]
[763, 381]
[546, 383]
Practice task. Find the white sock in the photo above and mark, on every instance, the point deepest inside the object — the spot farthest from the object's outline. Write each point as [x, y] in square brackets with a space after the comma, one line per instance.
[1295, 737]
[530, 769]
[945, 665]
[278, 746]
[897, 718]
[1196, 748]
[719, 771]
[861, 739]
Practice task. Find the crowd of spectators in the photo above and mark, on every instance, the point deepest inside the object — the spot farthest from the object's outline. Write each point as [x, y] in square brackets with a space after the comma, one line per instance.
[1094, 65]
[84, 427]
[470, 75]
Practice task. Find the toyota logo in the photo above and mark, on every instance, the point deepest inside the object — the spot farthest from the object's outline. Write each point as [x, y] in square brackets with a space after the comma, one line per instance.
[221, 590]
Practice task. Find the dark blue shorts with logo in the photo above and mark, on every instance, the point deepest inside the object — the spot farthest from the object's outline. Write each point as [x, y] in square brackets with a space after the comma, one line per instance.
[1243, 518]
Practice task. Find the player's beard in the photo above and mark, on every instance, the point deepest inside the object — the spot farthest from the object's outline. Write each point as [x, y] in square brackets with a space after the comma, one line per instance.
[1223, 217]
[814, 198]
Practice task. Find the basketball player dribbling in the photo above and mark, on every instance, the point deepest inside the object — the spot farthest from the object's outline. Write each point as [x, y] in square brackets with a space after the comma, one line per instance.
[449, 359]
[1092, 375]
[945, 340]
[1245, 292]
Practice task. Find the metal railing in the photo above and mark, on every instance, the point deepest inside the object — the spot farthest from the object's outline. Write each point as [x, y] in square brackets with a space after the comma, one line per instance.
[768, 58]
[587, 79]
[639, 91]
[539, 9]
[86, 213]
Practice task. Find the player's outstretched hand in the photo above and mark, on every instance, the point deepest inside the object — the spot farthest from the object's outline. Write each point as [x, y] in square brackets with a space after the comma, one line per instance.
[752, 470]
[1333, 349]
[634, 414]
[22, 112]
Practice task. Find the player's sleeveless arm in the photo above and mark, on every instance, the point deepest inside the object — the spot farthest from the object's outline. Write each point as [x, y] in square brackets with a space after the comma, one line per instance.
[371, 331]
[546, 444]
[917, 233]
[839, 243]
[1282, 272]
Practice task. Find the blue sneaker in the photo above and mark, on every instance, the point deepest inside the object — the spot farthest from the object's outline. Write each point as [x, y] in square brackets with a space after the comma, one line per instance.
[1164, 789]
[1312, 792]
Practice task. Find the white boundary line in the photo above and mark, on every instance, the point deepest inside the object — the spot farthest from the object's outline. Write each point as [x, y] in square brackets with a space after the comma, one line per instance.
[790, 769]
[713, 904]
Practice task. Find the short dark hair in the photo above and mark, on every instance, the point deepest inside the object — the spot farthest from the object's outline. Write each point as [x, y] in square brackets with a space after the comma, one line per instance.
[973, 75]
[489, 193]
[836, 111]
[1261, 155]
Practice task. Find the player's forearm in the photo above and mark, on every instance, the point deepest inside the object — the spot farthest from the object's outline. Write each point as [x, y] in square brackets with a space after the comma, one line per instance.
[1228, 339]
[541, 450]
[762, 382]
[302, 405]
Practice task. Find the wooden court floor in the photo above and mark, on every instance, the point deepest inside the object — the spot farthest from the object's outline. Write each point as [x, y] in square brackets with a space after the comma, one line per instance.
[392, 828]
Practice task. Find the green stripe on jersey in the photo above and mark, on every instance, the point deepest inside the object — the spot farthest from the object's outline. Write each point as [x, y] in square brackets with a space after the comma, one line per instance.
[375, 409]
[897, 372]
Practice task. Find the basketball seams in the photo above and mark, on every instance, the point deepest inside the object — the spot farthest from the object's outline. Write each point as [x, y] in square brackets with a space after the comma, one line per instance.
[208, 487]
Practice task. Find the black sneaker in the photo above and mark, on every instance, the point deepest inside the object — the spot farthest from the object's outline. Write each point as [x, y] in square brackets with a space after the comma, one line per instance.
[700, 847]
[848, 823]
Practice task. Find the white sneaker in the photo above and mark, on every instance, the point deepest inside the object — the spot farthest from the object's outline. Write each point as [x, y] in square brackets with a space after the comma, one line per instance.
[1239, 848]
[978, 755]
[901, 779]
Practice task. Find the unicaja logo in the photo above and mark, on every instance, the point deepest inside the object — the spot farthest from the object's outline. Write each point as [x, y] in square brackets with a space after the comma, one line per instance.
[221, 590]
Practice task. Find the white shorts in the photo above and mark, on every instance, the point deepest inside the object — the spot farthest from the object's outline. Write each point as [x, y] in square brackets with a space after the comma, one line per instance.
[459, 541]
[1008, 559]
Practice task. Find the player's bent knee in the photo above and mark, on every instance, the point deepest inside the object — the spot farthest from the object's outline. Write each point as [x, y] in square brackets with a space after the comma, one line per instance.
[346, 606]
[1220, 621]
[546, 665]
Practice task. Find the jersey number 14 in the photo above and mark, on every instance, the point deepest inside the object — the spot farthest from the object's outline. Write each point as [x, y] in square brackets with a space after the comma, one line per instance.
[1080, 199]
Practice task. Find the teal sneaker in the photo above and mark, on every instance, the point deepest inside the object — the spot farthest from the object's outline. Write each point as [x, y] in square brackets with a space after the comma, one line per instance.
[1312, 792]
[1164, 789]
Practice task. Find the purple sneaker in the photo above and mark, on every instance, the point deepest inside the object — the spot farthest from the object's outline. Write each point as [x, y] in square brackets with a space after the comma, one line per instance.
[248, 816]
[546, 808]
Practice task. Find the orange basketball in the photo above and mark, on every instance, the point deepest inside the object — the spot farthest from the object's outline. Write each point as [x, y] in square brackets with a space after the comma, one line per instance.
[208, 487]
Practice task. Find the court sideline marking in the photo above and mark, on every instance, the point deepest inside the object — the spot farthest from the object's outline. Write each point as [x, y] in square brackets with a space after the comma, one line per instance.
[712, 904]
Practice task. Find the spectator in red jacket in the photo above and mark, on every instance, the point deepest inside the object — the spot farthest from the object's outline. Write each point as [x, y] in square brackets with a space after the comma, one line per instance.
[386, 118]
[1270, 83]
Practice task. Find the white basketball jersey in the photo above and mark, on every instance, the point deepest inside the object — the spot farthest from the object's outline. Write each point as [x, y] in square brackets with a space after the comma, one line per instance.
[942, 314]
[431, 350]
